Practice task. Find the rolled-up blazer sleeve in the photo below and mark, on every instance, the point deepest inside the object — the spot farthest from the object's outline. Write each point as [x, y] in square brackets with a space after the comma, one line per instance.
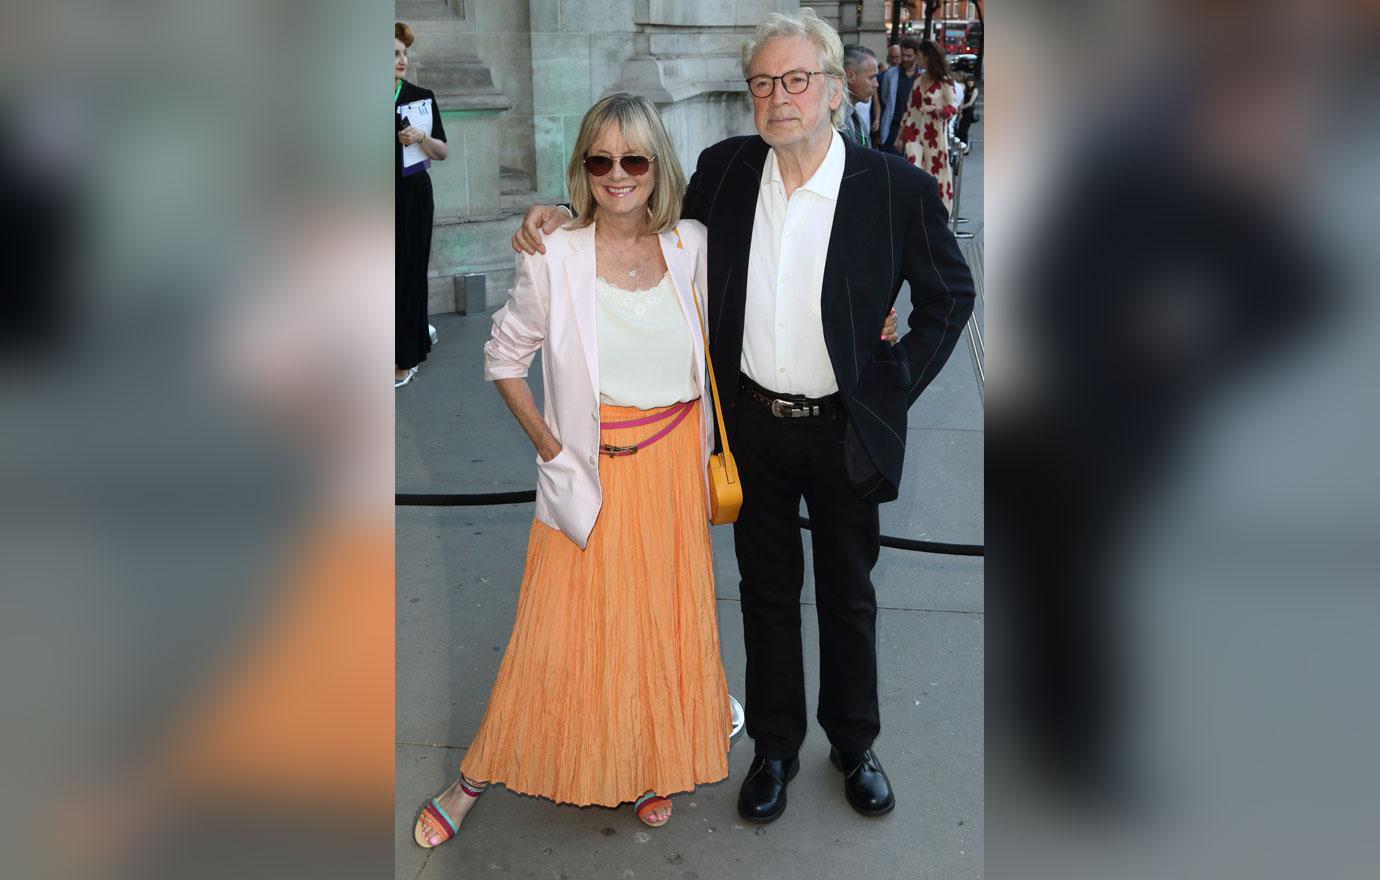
[520, 326]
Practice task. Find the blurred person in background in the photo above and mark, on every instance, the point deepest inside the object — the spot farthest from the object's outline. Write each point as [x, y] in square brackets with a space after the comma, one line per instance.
[421, 140]
[40, 200]
[893, 57]
[1172, 261]
[611, 689]
[860, 75]
[267, 727]
[924, 133]
[205, 637]
[960, 90]
[967, 112]
[893, 93]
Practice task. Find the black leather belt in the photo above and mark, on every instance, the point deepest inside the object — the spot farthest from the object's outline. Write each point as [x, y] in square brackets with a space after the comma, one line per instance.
[787, 406]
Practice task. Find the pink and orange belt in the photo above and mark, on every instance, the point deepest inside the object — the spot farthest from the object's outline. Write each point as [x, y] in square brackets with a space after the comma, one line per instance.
[676, 413]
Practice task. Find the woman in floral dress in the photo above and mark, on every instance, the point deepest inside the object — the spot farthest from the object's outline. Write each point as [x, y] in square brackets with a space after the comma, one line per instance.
[924, 138]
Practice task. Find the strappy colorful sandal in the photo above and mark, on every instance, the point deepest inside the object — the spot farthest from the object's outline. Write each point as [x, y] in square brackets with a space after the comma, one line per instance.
[646, 804]
[440, 820]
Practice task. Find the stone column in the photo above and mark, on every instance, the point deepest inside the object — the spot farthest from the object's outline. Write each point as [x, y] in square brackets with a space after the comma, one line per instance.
[577, 46]
[686, 60]
[873, 33]
[467, 183]
[466, 186]
[445, 60]
[849, 19]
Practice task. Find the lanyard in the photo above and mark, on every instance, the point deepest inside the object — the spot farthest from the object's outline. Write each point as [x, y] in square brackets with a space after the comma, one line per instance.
[855, 125]
[397, 91]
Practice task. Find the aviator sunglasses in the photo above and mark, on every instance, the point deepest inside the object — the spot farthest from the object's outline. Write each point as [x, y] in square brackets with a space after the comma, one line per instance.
[634, 165]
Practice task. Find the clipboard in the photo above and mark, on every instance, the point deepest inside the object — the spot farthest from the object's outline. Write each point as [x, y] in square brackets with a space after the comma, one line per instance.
[418, 115]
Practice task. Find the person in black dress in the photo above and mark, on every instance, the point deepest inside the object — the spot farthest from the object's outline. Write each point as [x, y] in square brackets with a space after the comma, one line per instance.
[413, 208]
[968, 112]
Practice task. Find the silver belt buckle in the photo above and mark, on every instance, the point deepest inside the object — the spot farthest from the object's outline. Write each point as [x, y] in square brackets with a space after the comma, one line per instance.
[781, 408]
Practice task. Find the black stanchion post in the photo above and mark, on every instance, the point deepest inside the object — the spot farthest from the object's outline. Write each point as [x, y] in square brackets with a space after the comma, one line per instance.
[956, 163]
[958, 149]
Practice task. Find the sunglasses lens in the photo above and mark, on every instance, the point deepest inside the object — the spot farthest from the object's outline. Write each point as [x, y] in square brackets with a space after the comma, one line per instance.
[599, 165]
[636, 165]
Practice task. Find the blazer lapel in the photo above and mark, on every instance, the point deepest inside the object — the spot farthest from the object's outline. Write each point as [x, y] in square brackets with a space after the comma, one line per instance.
[731, 234]
[855, 214]
[579, 279]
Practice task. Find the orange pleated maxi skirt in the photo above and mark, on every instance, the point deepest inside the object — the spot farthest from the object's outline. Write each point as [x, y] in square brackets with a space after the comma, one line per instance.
[612, 684]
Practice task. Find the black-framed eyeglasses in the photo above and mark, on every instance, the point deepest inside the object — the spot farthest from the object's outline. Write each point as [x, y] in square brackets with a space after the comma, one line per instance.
[793, 81]
[634, 165]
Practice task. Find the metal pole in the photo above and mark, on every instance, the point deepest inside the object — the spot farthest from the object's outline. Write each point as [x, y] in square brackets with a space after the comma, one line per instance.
[957, 150]
[956, 163]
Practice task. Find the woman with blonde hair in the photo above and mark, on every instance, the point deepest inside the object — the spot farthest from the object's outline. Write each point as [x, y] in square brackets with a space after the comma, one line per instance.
[611, 689]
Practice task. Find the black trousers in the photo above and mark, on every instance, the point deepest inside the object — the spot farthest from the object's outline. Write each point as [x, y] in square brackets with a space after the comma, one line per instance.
[780, 462]
[965, 122]
[413, 208]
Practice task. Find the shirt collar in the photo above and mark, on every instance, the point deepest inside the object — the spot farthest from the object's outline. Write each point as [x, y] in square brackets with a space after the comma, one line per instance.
[827, 177]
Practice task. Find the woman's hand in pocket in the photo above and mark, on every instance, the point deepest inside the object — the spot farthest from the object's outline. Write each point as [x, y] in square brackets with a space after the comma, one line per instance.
[549, 449]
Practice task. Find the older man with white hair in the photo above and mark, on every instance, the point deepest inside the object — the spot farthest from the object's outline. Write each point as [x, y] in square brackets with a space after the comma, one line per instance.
[810, 238]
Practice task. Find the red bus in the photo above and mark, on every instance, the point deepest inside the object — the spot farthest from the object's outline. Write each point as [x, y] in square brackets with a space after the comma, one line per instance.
[960, 37]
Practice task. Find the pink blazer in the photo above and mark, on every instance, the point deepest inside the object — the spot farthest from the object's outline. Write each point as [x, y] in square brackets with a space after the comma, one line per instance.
[551, 307]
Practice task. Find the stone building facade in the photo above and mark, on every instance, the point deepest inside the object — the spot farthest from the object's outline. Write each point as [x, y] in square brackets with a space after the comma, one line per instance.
[514, 77]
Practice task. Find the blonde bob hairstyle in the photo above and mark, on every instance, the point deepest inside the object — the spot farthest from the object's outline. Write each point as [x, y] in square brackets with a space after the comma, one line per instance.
[806, 25]
[641, 127]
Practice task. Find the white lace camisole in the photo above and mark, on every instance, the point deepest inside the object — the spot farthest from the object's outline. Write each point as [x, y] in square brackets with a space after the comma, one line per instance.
[645, 358]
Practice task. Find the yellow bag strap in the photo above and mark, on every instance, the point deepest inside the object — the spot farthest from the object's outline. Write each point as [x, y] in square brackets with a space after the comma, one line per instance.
[704, 331]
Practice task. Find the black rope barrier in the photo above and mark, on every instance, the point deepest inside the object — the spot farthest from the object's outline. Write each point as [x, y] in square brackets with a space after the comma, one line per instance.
[479, 500]
[486, 498]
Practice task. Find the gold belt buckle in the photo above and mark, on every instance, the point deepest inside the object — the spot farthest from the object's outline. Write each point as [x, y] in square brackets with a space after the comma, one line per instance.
[615, 451]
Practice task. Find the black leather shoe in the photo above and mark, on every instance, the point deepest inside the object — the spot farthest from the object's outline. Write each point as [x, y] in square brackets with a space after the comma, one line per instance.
[864, 782]
[763, 796]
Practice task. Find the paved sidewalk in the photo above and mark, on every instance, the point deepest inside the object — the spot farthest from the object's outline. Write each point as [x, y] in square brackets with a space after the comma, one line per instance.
[458, 571]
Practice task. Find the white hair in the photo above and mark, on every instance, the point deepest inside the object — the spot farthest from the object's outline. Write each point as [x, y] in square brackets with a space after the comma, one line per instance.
[805, 24]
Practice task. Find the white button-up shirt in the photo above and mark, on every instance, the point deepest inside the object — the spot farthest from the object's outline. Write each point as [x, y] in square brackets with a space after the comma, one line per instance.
[783, 329]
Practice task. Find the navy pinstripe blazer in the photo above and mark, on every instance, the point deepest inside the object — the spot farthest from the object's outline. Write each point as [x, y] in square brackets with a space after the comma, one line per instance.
[889, 226]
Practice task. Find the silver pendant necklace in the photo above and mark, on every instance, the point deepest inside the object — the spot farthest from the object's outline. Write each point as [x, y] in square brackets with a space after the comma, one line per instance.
[632, 273]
